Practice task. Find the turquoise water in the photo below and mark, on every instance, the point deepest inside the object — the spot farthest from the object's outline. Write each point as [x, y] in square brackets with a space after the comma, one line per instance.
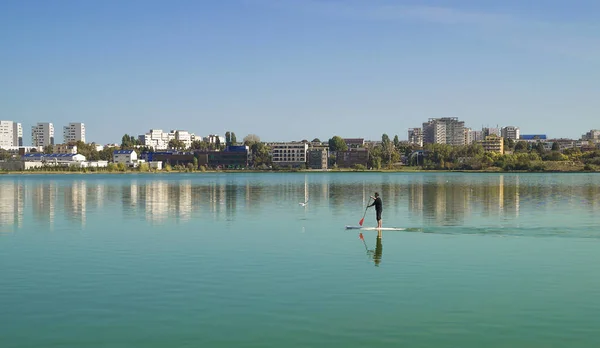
[232, 260]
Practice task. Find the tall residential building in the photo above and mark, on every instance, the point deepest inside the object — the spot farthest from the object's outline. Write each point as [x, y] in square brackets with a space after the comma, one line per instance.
[593, 135]
[487, 131]
[42, 134]
[6, 134]
[184, 136]
[157, 139]
[468, 136]
[11, 134]
[17, 134]
[511, 132]
[415, 136]
[445, 130]
[74, 132]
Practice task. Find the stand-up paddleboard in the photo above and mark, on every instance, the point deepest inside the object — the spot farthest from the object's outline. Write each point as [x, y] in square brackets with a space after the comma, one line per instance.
[375, 228]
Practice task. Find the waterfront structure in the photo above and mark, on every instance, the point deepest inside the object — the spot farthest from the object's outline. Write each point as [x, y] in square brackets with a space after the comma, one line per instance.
[445, 130]
[493, 143]
[233, 157]
[127, 157]
[74, 132]
[289, 154]
[511, 132]
[352, 157]
[415, 136]
[55, 158]
[42, 134]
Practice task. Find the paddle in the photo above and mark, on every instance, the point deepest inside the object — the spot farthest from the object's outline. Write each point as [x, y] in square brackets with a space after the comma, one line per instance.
[365, 214]
[360, 235]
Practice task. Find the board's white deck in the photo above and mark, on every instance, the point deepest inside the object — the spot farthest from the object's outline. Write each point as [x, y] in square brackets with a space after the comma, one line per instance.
[375, 228]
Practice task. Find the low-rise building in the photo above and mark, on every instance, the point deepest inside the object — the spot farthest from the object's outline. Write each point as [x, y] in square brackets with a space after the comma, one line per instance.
[127, 157]
[318, 157]
[533, 138]
[289, 154]
[352, 157]
[64, 148]
[53, 158]
[234, 157]
[354, 142]
[493, 143]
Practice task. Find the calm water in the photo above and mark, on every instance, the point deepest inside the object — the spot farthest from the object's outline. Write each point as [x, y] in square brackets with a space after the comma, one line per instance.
[232, 260]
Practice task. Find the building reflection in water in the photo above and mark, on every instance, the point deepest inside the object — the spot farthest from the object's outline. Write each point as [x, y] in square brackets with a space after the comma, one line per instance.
[12, 201]
[445, 200]
[44, 202]
[75, 198]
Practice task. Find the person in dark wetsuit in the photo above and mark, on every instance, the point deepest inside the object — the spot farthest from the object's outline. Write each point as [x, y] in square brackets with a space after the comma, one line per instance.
[378, 208]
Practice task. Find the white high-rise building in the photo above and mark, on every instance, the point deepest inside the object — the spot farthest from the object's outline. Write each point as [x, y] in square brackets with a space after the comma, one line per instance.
[183, 136]
[42, 134]
[157, 139]
[6, 134]
[75, 131]
[511, 132]
[17, 134]
[445, 130]
[11, 134]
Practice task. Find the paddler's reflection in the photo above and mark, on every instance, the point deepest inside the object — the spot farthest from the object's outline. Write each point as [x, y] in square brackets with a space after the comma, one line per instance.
[378, 249]
[378, 252]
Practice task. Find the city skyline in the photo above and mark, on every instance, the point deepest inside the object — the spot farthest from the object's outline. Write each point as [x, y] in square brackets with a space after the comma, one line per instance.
[300, 69]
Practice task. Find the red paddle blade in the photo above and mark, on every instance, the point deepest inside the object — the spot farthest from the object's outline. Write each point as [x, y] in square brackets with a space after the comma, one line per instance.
[361, 221]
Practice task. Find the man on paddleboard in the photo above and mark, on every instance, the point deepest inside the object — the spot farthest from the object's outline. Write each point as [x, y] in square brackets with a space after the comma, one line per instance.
[378, 208]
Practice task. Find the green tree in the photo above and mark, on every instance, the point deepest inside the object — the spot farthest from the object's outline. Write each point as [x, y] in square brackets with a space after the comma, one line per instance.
[227, 139]
[396, 142]
[200, 145]
[337, 144]
[251, 138]
[218, 143]
[233, 139]
[316, 140]
[521, 146]
[176, 144]
[48, 149]
[260, 155]
[555, 146]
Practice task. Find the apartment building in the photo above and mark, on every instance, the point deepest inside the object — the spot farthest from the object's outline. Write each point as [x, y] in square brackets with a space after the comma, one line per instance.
[415, 136]
[11, 134]
[157, 139]
[445, 130]
[493, 143]
[510, 132]
[42, 134]
[74, 132]
[289, 154]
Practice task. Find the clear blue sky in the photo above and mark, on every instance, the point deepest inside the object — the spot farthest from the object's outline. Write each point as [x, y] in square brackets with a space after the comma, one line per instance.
[299, 69]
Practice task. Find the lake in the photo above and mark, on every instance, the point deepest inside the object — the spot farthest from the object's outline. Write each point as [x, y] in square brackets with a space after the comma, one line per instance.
[233, 260]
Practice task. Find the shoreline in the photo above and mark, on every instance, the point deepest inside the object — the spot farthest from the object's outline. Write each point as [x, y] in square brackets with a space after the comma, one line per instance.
[305, 171]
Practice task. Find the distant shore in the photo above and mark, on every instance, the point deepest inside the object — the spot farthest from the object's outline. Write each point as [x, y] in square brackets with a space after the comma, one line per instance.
[402, 170]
